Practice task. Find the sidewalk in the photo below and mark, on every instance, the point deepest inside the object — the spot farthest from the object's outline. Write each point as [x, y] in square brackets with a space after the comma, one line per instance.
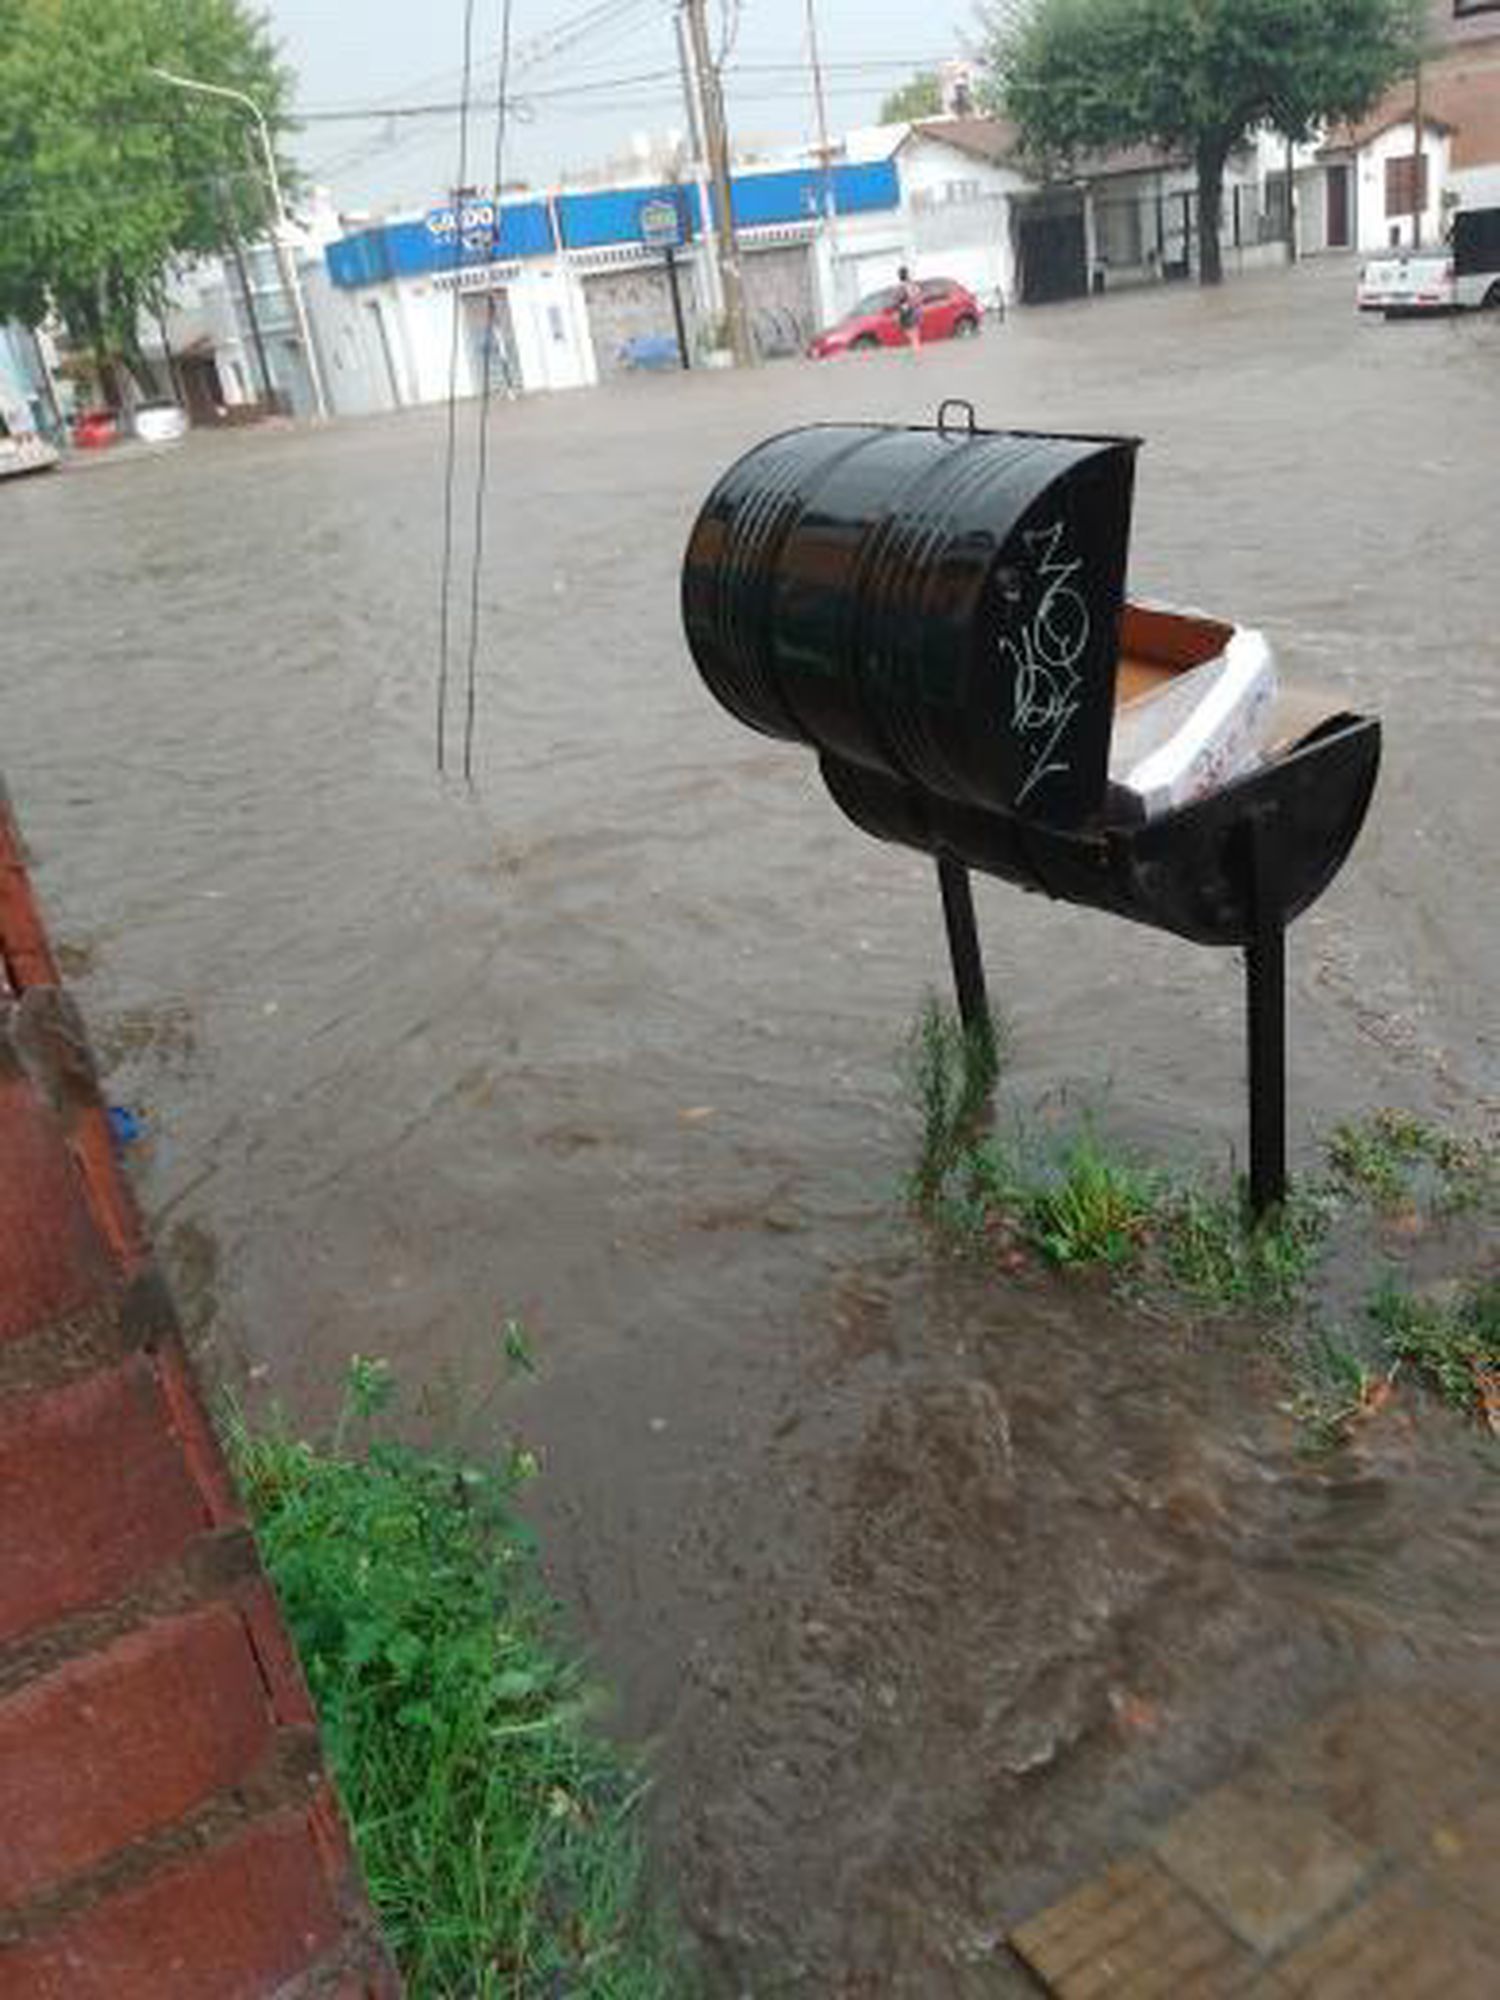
[1357, 1857]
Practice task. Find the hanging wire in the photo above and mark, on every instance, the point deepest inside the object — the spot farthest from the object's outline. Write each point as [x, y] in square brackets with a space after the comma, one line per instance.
[502, 110]
[450, 460]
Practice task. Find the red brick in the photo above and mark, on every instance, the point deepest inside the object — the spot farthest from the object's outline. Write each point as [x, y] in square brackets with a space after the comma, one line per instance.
[52, 1260]
[109, 1196]
[126, 1741]
[231, 1924]
[280, 1668]
[23, 941]
[195, 1436]
[94, 1493]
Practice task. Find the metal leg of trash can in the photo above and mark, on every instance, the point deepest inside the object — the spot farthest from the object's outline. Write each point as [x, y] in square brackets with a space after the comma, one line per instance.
[963, 950]
[1265, 993]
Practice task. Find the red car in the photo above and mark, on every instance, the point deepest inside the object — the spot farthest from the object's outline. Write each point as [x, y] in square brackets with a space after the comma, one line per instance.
[949, 312]
[94, 428]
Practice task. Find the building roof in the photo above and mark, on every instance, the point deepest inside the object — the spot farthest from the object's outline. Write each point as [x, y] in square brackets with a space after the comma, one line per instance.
[997, 141]
[1460, 95]
[991, 139]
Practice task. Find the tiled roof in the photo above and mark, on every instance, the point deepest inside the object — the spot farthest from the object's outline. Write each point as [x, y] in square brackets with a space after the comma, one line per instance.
[1460, 95]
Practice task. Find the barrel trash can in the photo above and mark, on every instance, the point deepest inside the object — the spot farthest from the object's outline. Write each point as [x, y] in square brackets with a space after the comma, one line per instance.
[939, 613]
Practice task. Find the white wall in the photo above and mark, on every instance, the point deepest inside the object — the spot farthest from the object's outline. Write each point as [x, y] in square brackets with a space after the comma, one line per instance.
[1476, 187]
[347, 327]
[549, 319]
[1373, 223]
[958, 215]
[871, 249]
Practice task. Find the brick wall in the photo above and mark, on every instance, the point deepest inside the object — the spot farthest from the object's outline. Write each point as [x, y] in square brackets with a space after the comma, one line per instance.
[167, 1828]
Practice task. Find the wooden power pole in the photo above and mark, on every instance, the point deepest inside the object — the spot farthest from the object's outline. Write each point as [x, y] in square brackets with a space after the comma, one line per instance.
[1417, 203]
[716, 144]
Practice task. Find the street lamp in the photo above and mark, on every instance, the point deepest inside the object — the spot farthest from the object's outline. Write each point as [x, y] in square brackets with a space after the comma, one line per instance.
[291, 282]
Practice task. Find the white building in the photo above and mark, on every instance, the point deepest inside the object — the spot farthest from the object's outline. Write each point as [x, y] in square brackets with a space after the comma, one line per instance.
[557, 290]
[1460, 149]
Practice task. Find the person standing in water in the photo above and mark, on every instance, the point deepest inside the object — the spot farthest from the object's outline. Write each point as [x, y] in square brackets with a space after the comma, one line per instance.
[909, 307]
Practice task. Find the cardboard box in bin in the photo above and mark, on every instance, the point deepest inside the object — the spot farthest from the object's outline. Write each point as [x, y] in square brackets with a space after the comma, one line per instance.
[1183, 726]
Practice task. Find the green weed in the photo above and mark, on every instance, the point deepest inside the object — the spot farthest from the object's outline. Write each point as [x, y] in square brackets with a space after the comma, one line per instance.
[1093, 1207]
[496, 1831]
[1215, 1251]
[1453, 1342]
[1392, 1158]
[1081, 1202]
[950, 1072]
[1334, 1385]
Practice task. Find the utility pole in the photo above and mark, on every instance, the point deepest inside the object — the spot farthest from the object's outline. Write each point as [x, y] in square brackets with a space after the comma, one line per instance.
[710, 269]
[237, 252]
[1416, 163]
[291, 283]
[830, 206]
[716, 141]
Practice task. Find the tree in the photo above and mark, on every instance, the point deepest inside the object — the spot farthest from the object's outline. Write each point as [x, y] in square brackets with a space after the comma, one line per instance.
[921, 98]
[107, 174]
[1195, 77]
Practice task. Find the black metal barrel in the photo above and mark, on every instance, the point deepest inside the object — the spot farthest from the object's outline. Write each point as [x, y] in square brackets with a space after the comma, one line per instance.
[1187, 872]
[937, 613]
[936, 605]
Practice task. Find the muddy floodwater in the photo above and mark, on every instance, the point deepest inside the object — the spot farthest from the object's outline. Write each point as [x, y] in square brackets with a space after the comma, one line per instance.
[924, 1589]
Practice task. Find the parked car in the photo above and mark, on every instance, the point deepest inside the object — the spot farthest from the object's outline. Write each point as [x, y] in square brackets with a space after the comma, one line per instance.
[161, 422]
[1476, 257]
[1465, 273]
[949, 312]
[93, 429]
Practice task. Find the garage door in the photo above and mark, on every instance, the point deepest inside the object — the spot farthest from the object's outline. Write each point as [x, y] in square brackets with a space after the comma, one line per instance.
[779, 296]
[624, 305]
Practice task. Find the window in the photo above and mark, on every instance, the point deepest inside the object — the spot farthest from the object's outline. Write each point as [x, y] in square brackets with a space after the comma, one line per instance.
[1399, 181]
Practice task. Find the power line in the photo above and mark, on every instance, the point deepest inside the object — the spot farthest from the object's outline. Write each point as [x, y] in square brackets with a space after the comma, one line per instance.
[481, 474]
[451, 454]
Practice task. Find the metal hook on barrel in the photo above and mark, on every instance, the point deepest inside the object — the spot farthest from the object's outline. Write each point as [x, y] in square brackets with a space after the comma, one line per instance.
[971, 420]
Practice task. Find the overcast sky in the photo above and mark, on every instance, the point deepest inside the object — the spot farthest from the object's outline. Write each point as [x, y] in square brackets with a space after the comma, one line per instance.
[366, 52]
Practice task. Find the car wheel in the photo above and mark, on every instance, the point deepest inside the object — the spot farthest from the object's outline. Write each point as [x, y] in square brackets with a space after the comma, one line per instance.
[1491, 300]
[864, 343]
[965, 328]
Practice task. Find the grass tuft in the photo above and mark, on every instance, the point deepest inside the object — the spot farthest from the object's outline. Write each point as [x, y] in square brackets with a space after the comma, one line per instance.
[1081, 1203]
[1216, 1252]
[1094, 1207]
[1452, 1341]
[1393, 1159]
[950, 1072]
[496, 1830]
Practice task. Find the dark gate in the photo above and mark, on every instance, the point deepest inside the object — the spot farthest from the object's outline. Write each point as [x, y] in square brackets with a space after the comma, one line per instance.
[1053, 252]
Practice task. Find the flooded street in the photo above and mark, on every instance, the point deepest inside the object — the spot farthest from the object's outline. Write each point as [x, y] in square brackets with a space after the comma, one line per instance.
[925, 1591]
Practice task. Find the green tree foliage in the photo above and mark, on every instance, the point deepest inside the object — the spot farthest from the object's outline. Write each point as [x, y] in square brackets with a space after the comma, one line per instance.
[107, 174]
[1195, 77]
[921, 98]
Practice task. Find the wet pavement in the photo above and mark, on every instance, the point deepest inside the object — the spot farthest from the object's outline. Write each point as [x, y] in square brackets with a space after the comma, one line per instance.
[930, 1594]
